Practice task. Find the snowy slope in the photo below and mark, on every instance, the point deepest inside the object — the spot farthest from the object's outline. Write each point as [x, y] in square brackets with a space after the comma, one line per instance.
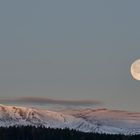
[86, 120]
[110, 121]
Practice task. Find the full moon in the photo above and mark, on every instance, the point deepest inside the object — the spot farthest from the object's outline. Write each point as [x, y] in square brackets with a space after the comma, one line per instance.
[135, 69]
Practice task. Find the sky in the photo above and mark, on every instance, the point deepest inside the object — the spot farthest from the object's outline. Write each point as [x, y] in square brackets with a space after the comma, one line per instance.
[70, 50]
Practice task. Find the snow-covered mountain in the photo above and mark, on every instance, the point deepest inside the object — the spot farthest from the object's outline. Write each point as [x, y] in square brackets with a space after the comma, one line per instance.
[86, 120]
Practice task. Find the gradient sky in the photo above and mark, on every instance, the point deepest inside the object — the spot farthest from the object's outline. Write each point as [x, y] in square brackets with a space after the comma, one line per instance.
[72, 49]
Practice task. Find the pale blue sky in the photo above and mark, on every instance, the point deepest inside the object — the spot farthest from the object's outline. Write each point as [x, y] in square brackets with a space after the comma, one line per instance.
[73, 49]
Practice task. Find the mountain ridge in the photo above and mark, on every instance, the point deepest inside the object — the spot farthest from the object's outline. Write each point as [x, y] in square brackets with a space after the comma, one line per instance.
[85, 120]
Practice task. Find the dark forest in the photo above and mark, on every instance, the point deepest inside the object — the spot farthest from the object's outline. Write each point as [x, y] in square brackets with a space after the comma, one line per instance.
[40, 133]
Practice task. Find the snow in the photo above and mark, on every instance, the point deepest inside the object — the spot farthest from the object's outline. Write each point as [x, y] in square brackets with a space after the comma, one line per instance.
[86, 120]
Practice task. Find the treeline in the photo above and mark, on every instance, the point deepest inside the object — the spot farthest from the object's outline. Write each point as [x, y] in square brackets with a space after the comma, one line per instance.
[40, 133]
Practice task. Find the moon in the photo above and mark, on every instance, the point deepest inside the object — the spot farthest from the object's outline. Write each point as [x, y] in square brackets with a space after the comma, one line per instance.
[135, 70]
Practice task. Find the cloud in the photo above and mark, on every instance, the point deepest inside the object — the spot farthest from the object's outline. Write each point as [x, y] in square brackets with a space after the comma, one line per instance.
[48, 101]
